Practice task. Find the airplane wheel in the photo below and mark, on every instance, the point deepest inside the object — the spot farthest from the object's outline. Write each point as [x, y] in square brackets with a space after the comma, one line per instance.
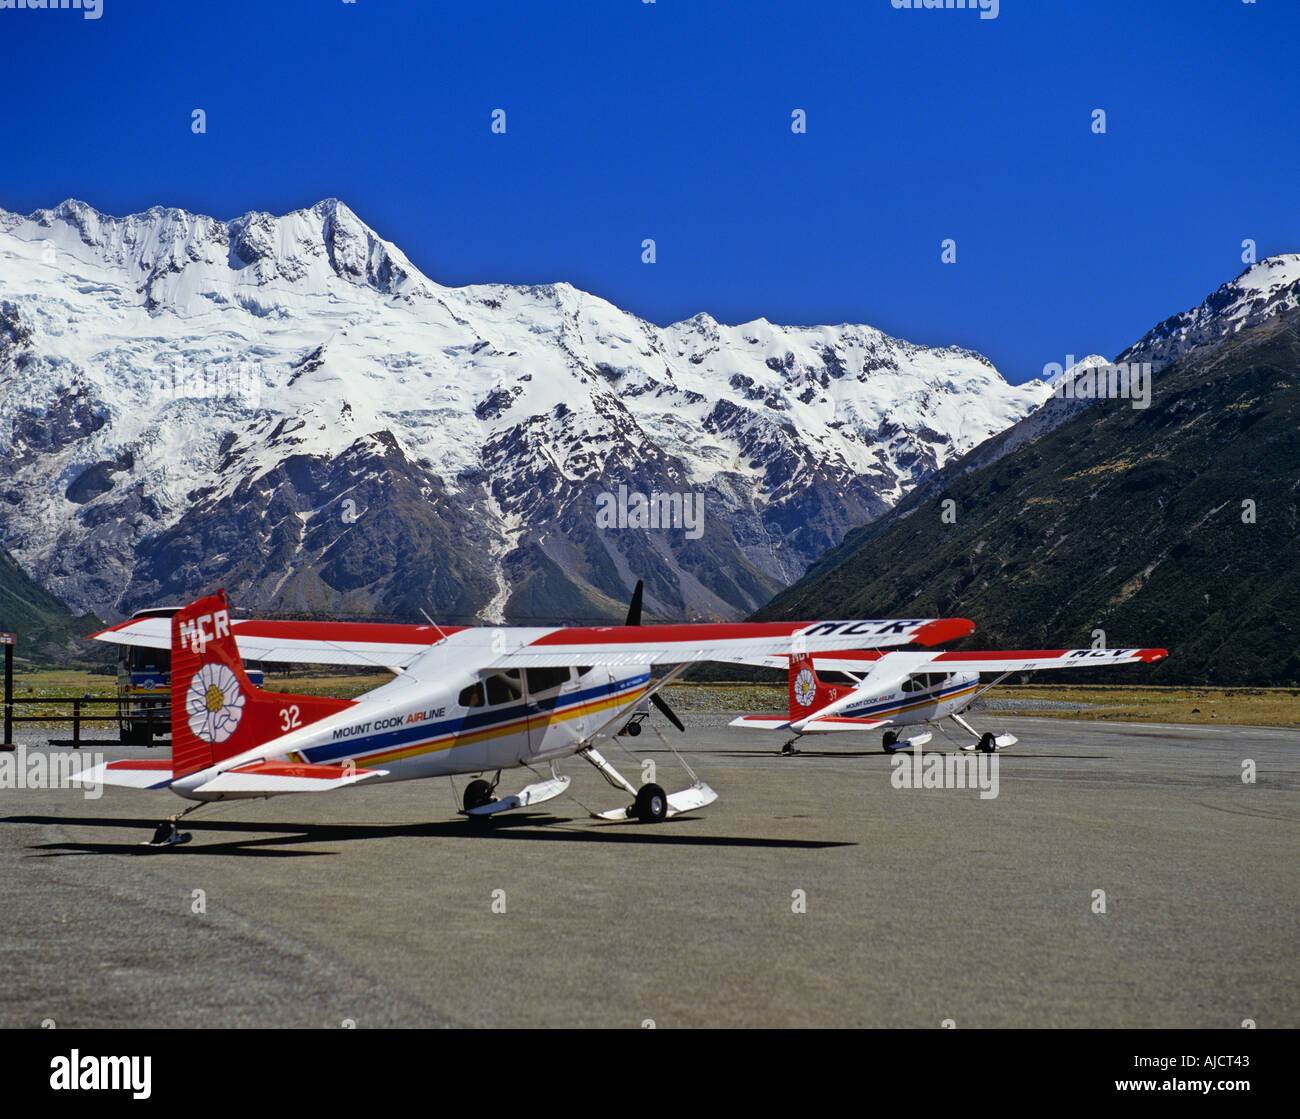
[889, 740]
[987, 745]
[651, 804]
[477, 794]
[633, 729]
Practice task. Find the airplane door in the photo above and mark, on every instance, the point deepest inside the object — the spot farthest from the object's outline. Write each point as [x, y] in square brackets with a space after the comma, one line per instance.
[555, 717]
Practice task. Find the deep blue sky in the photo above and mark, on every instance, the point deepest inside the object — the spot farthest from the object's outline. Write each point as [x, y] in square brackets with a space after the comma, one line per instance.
[672, 120]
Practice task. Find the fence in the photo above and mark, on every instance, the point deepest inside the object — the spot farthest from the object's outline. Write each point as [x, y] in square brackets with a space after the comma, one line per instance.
[77, 717]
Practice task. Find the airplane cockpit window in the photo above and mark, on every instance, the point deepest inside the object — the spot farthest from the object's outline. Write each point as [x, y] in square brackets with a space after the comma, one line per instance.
[912, 684]
[543, 679]
[832, 677]
[471, 696]
[504, 687]
[583, 669]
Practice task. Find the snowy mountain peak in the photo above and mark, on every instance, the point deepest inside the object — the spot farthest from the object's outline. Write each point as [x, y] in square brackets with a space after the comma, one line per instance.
[1263, 290]
[286, 405]
[188, 263]
[1069, 373]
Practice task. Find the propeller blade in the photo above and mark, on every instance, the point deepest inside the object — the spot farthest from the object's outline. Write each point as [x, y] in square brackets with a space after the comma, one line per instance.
[634, 610]
[668, 712]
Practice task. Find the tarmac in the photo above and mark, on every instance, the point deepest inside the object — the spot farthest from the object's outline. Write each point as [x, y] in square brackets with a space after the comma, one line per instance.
[1125, 875]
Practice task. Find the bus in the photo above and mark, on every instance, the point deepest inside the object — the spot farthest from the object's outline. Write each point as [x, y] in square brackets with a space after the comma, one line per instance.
[144, 680]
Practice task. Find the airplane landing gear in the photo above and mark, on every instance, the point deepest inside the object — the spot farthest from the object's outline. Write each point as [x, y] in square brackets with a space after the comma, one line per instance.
[988, 743]
[166, 833]
[651, 804]
[477, 794]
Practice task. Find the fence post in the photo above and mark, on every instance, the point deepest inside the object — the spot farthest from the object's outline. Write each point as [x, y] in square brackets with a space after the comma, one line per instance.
[8, 640]
[76, 724]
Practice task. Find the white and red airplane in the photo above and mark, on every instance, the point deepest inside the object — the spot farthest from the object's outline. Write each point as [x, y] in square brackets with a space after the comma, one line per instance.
[904, 687]
[465, 700]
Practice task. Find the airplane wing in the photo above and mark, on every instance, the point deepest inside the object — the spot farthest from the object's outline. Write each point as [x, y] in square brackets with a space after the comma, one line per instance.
[1010, 660]
[1022, 660]
[728, 642]
[438, 649]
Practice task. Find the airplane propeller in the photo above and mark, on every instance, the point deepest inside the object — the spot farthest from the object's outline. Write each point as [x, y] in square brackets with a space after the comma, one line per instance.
[634, 619]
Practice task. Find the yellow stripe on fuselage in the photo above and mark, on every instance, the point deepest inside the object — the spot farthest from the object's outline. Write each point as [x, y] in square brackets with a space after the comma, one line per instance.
[512, 727]
[931, 702]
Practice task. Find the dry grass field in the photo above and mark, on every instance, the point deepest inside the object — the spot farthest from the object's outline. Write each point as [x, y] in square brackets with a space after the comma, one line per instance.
[1264, 707]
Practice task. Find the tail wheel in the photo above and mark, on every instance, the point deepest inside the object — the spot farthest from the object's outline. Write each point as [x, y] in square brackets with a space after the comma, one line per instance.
[477, 794]
[987, 745]
[651, 804]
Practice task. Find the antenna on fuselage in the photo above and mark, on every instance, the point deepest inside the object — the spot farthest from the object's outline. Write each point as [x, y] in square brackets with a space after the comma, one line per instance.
[433, 623]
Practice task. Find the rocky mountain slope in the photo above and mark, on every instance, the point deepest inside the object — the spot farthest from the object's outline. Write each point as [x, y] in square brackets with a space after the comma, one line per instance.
[287, 407]
[1176, 525]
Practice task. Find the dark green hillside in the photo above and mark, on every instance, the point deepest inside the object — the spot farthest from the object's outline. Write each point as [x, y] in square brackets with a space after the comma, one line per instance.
[48, 632]
[1121, 519]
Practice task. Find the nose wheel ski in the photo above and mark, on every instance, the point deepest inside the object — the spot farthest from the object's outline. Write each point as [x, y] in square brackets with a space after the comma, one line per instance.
[987, 743]
[650, 804]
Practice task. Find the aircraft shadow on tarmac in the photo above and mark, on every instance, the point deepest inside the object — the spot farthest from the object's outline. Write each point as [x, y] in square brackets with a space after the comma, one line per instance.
[527, 827]
[901, 754]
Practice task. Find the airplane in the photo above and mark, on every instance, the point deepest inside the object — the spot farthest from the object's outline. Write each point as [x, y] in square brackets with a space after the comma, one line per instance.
[897, 688]
[464, 700]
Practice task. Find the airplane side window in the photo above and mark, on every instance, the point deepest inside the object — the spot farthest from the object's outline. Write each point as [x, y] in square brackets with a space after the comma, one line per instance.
[543, 679]
[909, 685]
[471, 696]
[583, 669]
[504, 687]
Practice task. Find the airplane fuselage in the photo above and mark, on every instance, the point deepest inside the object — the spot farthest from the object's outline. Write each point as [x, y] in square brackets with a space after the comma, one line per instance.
[471, 724]
[915, 699]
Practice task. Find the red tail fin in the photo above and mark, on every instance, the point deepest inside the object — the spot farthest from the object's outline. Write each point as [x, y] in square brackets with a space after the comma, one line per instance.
[807, 692]
[216, 711]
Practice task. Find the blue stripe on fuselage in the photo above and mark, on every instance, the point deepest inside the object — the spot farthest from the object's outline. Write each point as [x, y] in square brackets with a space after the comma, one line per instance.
[478, 719]
[909, 698]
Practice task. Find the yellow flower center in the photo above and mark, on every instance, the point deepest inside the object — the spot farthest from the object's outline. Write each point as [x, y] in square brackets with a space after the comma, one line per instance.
[215, 699]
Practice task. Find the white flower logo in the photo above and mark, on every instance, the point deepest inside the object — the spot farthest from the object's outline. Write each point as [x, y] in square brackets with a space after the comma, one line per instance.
[804, 688]
[214, 703]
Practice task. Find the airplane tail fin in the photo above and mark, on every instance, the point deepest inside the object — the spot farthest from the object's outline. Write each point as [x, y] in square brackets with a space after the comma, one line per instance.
[216, 710]
[807, 692]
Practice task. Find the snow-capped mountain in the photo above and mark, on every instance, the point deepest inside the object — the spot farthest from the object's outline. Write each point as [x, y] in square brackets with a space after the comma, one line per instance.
[287, 407]
[1266, 288]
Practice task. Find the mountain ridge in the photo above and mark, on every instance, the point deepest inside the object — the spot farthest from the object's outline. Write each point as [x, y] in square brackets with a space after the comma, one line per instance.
[169, 377]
